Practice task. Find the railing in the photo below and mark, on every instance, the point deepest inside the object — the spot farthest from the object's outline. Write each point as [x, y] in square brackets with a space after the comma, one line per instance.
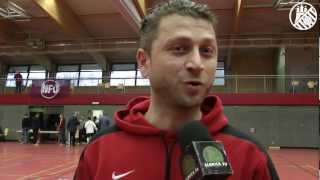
[270, 84]
[232, 84]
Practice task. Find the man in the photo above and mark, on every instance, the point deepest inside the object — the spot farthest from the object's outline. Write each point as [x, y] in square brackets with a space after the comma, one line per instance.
[18, 79]
[72, 127]
[178, 53]
[82, 130]
[104, 121]
[36, 124]
[25, 124]
[61, 128]
[96, 121]
[90, 128]
[1, 134]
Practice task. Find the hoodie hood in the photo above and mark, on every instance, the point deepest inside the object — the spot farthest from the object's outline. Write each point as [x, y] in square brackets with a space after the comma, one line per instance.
[132, 118]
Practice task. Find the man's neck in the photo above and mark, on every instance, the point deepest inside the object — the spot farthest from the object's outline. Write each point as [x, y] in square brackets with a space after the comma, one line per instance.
[170, 117]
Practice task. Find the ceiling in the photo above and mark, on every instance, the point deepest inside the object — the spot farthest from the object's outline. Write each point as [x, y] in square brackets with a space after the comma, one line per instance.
[104, 31]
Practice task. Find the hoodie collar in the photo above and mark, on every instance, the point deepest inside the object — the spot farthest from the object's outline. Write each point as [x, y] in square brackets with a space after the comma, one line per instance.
[132, 119]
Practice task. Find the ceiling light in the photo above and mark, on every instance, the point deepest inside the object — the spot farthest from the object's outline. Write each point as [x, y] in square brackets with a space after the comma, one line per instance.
[13, 11]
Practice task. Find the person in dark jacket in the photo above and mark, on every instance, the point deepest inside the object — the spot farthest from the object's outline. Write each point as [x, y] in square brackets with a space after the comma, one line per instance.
[61, 128]
[18, 78]
[96, 121]
[104, 121]
[26, 125]
[1, 134]
[36, 123]
[72, 128]
[178, 53]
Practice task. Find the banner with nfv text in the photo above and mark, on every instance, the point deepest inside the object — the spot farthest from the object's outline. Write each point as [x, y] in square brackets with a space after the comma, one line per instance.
[50, 88]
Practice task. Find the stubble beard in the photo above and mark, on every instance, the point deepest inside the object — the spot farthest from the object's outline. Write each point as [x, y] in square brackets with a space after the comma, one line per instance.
[188, 101]
[176, 97]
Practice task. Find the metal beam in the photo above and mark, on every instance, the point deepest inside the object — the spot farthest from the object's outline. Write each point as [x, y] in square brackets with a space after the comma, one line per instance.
[130, 12]
[43, 60]
[3, 68]
[238, 11]
[141, 7]
[63, 15]
[100, 59]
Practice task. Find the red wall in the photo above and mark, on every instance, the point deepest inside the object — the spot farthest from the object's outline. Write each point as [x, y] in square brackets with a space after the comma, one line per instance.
[118, 99]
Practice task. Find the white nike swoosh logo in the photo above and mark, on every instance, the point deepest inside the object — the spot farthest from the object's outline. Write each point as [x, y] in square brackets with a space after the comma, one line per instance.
[117, 177]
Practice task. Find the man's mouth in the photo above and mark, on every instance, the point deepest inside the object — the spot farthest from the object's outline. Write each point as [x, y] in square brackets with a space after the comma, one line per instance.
[194, 83]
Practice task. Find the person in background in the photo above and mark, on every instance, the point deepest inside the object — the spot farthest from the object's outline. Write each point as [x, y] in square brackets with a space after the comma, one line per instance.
[26, 125]
[96, 121]
[2, 138]
[62, 130]
[18, 78]
[90, 128]
[36, 123]
[72, 128]
[77, 135]
[104, 121]
[82, 130]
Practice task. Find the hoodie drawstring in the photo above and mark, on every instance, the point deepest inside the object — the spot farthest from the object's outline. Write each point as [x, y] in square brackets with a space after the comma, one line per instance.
[169, 151]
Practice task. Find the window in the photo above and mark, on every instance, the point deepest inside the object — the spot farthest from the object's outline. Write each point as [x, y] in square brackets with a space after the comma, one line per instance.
[28, 72]
[90, 75]
[123, 74]
[142, 81]
[126, 78]
[36, 72]
[69, 72]
[81, 74]
[220, 79]
[128, 75]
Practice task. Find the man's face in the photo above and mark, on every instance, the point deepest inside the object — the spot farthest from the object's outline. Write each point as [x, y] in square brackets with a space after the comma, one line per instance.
[183, 60]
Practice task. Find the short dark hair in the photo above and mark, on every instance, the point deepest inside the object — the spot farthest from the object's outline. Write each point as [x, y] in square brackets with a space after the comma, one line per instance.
[150, 23]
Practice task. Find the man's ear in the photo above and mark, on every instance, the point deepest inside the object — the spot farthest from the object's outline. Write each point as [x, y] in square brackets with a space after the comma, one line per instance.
[143, 60]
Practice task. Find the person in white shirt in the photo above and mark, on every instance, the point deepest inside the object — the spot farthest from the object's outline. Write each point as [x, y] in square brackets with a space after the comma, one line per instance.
[90, 127]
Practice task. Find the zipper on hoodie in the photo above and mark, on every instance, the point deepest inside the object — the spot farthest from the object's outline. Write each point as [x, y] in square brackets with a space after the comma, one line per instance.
[169, 151]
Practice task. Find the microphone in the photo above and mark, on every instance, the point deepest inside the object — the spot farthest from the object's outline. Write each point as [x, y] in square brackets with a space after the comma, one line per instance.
[202, 159]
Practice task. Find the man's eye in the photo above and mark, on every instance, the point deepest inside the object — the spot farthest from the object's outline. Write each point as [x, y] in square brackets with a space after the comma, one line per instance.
[207, 51]
[178, 49]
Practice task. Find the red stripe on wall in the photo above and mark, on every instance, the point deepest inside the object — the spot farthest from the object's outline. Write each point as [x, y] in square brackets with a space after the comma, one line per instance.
[309, 99]
[270, 99]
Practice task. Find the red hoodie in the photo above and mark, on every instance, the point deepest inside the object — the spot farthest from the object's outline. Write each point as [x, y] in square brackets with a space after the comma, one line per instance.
[134, 149]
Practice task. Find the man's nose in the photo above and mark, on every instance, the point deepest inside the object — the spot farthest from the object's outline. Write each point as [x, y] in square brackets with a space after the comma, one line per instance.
[194, 63]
